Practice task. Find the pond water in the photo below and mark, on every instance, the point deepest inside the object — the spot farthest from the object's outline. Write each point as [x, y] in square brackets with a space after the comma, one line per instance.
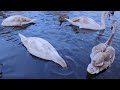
[73, 45]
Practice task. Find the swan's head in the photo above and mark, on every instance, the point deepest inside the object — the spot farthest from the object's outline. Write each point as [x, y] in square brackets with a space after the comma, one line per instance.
[63, 18]
[109, 14]
[112, 12]
[114, 26]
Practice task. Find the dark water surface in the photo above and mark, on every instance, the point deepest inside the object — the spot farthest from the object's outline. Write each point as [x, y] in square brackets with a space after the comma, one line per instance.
[74, 47]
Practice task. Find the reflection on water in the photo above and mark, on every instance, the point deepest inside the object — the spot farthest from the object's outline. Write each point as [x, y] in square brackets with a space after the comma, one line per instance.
[72, 43]
[1, 65]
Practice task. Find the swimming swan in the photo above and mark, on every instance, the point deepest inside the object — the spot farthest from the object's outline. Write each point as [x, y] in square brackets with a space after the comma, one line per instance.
[17, 20]
[103, 54]
[42, 49]
[88, 23]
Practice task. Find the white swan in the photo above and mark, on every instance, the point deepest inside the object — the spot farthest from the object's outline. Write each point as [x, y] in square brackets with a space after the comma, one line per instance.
[17, 20]
[42, 49]
[103, 54]
[88, 23]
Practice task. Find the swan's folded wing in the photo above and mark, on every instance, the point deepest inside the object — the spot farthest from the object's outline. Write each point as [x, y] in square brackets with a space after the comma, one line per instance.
[96, 49]
[10, 23]
[111, 54]
[41, 48]
[98, 59]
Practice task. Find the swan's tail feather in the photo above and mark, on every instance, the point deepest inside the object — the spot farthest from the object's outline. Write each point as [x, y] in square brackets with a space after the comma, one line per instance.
[61, 62]
[33, 20]
[23, 38]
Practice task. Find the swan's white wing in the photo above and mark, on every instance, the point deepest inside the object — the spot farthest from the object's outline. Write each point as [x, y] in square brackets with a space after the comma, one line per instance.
[89, 23]
[110, 58]
[111, 54]
[105, 61]
[9, 23]
[43, 49]
[97, 63]
[16, 20]
[86, 22]
[96, 49]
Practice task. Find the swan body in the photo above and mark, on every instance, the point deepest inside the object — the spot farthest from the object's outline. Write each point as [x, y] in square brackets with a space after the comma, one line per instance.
[17, 20]
[88, 23]
[84, 22]
[42, 49]
[101, 59]
[102, 55]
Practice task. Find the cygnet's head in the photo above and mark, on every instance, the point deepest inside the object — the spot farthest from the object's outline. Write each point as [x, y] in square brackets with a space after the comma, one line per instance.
[63, 18]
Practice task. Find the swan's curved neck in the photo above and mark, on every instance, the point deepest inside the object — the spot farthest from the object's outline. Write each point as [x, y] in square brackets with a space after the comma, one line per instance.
[109, 41]
[102, 26]
[114, 28]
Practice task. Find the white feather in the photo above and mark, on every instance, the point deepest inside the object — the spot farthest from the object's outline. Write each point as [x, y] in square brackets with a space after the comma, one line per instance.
[42, 49]
[17, 20]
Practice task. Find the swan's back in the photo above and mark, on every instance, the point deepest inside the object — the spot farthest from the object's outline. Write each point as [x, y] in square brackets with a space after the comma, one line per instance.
[42, 49]
[96, 49]
[102, 47]
[101, 60]
[16, 20]
[111, 53]
[85, 21]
